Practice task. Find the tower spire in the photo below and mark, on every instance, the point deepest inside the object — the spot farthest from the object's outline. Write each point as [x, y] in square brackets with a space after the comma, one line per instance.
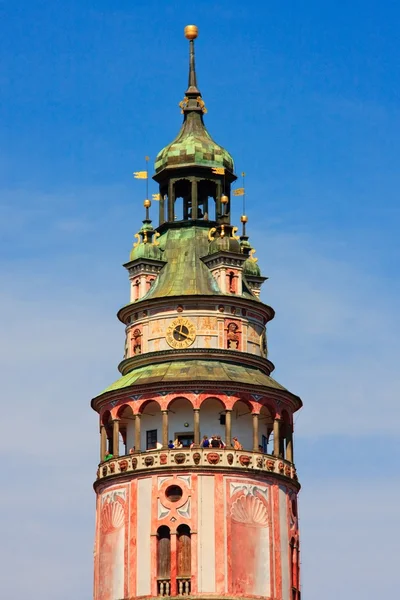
[191, 33]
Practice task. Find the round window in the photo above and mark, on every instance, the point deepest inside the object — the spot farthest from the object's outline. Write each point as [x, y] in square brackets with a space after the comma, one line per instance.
[174, 493]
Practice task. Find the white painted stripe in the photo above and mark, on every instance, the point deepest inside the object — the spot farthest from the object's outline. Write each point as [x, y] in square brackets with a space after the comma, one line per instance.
[118, 565]
[143, 537]
[283, 522]
[262, 582]
[206, 534]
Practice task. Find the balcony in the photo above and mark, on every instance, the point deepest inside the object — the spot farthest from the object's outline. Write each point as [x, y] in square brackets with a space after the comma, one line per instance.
[197, 458]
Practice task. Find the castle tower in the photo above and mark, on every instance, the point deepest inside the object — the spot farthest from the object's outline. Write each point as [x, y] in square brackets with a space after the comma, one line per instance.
[177, 516]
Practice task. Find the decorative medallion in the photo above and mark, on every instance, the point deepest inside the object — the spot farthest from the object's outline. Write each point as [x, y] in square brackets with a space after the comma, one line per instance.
[163, 459]
[270, 465]
[123, 466]
[244, 460]
[196, 458]
[112, 467]
[281, 466]
[134, 463]
[148, 461]
[213, 458]
[181, 333]
[180, 458]
[259, 462]
[230, 459]
[104, 471]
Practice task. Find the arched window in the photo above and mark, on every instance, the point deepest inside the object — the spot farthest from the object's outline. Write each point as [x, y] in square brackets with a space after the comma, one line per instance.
[183, 559]
[231, 282]
[294, 569]
[164, 560]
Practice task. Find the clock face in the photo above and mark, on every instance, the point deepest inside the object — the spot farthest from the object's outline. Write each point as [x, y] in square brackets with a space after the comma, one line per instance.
[181, 333]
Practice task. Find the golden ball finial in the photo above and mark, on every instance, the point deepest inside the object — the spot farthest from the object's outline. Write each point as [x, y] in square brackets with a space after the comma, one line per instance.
[224, 199]
[147, 203]
[244, 219]
[191, 32]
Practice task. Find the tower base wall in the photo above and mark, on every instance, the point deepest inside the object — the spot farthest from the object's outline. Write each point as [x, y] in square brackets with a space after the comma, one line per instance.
[203, 534]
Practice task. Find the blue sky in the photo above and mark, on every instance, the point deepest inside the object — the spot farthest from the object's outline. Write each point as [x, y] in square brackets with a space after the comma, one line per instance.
[305, 95]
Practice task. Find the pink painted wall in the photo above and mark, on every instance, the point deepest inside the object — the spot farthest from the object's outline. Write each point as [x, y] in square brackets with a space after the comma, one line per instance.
[241, 526]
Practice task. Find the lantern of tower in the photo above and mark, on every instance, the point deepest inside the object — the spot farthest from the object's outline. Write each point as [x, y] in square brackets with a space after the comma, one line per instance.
[196, 486]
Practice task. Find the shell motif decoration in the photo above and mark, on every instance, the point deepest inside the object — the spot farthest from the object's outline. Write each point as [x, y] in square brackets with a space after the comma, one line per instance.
[112, 516]
[250, 510]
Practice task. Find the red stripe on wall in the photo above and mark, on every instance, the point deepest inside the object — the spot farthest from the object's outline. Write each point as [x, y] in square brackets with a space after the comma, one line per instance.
[132, 553]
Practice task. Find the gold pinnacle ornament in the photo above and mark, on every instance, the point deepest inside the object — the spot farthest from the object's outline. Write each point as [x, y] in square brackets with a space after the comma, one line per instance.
[191, 32]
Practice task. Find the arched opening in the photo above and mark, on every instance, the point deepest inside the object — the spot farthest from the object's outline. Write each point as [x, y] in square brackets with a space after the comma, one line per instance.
[164, 560]
[294, 569]
[182, 202]
[232, 282]
[126, 430]
[106, 422]
[285, 434]
[212, 420]
[207, 193]
[242, 424]
[180, 422]
[183, 560]
[151, 426]
[265, 428]
[135, 289]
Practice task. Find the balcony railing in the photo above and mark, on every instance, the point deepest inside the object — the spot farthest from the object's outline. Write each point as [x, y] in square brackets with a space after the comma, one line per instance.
[197, 458]
[183, 586]
[164, 587]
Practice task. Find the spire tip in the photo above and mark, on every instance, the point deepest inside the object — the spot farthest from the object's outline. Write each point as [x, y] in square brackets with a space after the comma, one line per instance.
[191, 32]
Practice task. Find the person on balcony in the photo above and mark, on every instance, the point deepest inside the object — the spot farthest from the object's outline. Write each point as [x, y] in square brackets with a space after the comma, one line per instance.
[215, 442]
[206, 442]
[236, 444]
[171, 444]
[108, 456]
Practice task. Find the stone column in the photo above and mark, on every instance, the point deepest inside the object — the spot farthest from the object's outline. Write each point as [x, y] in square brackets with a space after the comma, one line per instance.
[194, 199]
[165, 429]
[255, 432]
[161, 211]
[171, 201]
[218, 205]
[289, 444]
[277, 431]
[103, 442]
[116, 437]
[137, 432]
[196, 423]
[228, 428]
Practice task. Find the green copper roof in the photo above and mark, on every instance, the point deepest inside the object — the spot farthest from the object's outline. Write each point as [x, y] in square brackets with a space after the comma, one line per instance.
[250, 267]
[193, 146]
[194, 370]
[185, 273]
